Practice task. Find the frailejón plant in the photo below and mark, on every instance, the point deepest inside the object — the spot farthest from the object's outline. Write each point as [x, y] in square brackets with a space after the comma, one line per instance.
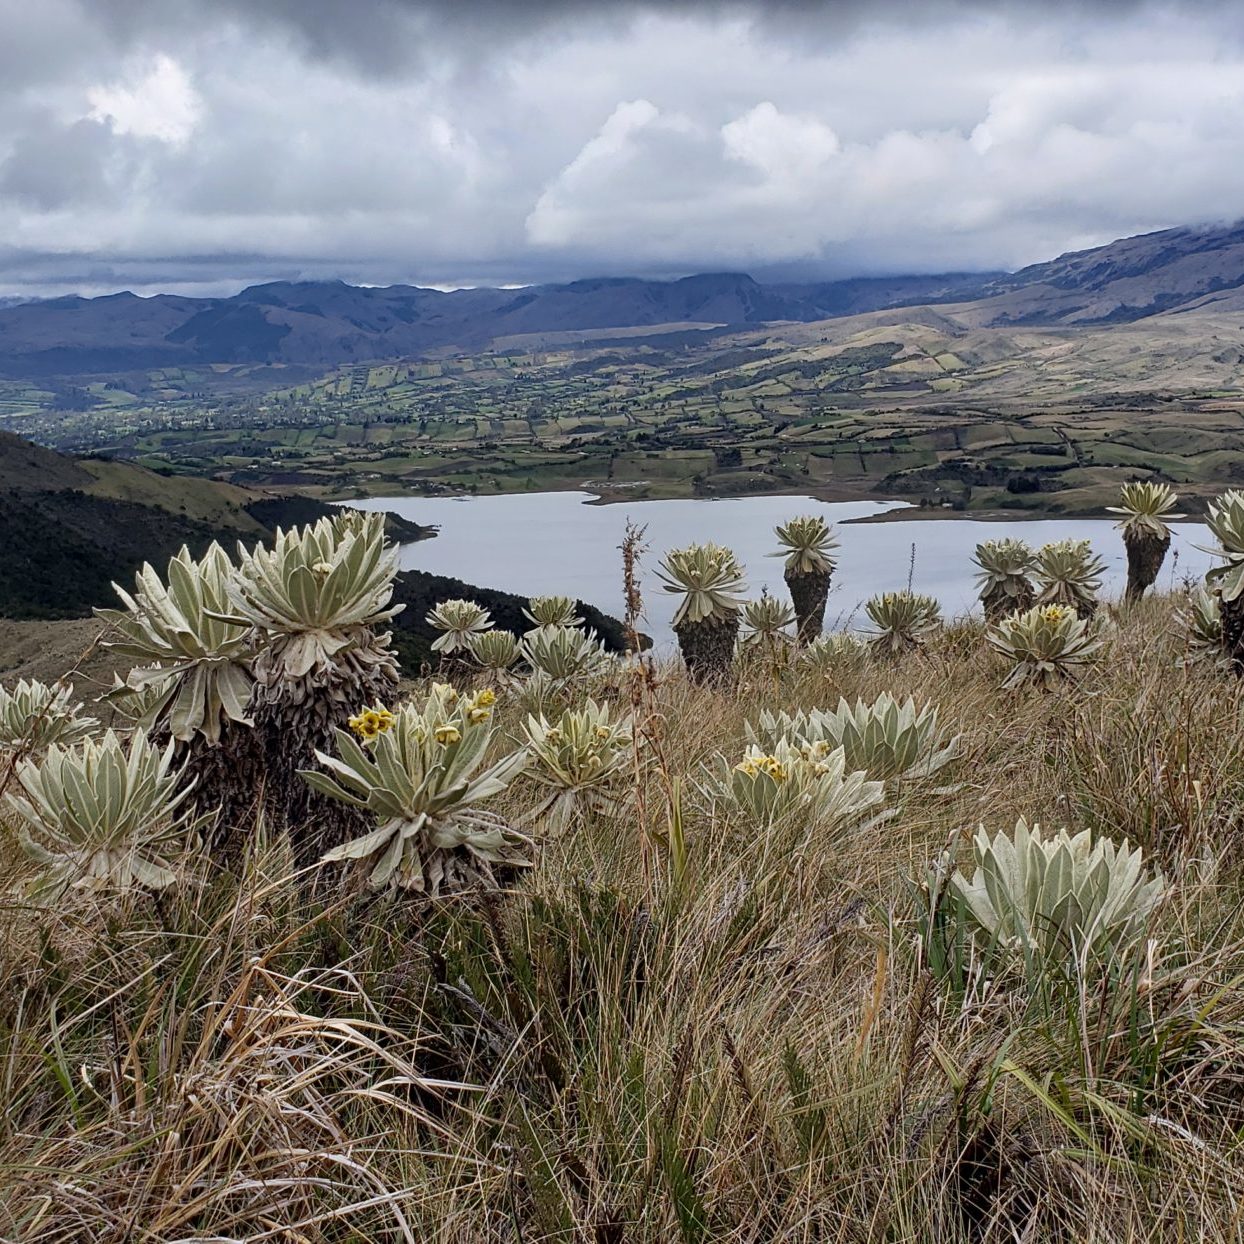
[565, 655]
[196, 663]
[886, 738]
[810, 783]
[1004, 580]
[1068, 572]
[459, 621]
[1202, 623]
[710, 581]
[33, 716]
[494, 651]
[581, 761]
[314, 599]
[1225, 520]
[766, 625]
[1044, 645]
[808, 546]
[1057, 898]
[1145, 507]
[552, 611]
[423, 780]
[833, 654]
[903, 622]
[103, 814]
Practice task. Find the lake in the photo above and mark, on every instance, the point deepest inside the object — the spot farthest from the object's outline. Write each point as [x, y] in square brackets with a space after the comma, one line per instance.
[554, 544]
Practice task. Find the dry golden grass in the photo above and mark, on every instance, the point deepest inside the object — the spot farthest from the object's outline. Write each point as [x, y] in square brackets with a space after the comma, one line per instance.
[678, 1026]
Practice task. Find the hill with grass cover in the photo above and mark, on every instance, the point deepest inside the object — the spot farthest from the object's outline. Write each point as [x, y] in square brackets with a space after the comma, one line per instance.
[72, 527]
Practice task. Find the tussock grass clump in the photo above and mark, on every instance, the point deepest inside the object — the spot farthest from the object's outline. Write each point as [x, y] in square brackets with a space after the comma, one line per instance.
[680, 1012]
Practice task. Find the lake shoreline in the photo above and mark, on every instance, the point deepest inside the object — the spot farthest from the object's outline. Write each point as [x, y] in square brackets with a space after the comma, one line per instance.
[557, 543]
[903, 511]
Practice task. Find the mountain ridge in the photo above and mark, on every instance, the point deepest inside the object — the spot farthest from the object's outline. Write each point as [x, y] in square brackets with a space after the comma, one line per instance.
[331, 322]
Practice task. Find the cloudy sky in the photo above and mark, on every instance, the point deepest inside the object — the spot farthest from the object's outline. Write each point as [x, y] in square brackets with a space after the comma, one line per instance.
[202, 145]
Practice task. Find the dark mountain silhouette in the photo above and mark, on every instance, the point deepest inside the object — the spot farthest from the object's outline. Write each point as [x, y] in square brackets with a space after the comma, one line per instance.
[1131, 279]
[329, 322]
[72, 528]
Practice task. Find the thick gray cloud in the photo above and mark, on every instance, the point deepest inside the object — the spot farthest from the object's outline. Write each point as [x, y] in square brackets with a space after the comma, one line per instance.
[187, 144]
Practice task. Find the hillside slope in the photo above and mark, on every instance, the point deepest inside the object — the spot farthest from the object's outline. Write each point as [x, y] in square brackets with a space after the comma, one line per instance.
[74, 526]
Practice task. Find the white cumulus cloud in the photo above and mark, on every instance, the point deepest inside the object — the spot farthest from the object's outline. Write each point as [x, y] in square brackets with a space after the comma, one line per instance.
[158, 102]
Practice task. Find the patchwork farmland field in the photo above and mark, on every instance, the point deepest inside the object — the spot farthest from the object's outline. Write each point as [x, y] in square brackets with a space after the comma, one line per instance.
[915, 403]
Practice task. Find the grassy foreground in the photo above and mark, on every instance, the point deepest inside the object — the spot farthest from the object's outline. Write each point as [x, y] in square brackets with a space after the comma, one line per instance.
[677, 1026]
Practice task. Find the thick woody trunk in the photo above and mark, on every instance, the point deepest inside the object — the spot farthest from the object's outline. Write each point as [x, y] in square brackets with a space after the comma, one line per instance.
[1233, 632]
[1145, 554]
[708, 647]
[999, 603]
[808, 593]
[228, 782]
[296, 717]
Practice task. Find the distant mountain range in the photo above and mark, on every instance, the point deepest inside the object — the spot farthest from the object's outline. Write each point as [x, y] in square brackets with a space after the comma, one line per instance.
[329, 323]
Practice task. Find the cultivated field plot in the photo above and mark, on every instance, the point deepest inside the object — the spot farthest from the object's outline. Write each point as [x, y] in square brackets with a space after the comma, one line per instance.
[915, 403]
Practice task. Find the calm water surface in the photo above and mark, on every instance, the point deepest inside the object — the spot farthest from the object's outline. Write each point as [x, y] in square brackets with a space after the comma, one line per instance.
[554, 543]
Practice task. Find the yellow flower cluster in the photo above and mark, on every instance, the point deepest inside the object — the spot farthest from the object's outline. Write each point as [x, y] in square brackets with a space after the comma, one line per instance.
[446, 733]
[753, 766]
[1054, 614]
[479, 708]
[371, 722]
